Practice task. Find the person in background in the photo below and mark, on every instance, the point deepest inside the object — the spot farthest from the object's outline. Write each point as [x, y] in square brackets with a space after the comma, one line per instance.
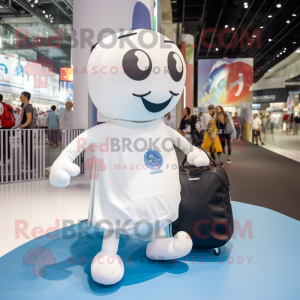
[256, 124]
[290, 124]
[205, 118]
[185, 120]
[191, 133]
[268, 122]
[264, 122]
[237, 121]
[168, 121]
[221, 121]
[42, 121]
[17, 117]
[26, 123]
[212, 142]
[66, 117]
[297, 124]
[53, 124]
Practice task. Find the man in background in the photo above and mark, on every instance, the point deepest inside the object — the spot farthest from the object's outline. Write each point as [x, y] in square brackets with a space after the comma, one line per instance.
[66, 117]
[256, 125]
[26, 123]
[237, 121]
[205, 118]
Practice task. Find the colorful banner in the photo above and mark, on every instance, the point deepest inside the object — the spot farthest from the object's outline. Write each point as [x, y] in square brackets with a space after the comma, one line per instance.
[226, 82]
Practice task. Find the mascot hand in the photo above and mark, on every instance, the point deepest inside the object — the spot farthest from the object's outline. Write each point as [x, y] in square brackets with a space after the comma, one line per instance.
[61, 172]
[198, 158]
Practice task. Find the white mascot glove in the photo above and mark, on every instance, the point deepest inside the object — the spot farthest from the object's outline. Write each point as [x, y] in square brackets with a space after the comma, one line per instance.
[198, 158]
[61, 172]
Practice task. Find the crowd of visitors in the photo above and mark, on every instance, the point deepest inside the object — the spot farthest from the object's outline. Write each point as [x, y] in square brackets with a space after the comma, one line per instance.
[26, 117]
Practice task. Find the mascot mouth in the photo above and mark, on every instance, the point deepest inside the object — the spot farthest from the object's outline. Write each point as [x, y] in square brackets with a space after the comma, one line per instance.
[155, 107]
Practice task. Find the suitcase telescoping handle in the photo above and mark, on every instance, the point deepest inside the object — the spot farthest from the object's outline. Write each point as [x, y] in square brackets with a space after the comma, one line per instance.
[208, 155]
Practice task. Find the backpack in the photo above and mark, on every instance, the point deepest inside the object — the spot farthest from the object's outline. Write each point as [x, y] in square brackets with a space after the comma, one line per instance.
[205, 211]
[34, 117]
[196, 138]
[7, 117]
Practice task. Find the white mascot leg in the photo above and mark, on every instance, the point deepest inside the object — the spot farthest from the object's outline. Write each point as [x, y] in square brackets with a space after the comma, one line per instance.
[107, 267]
[163, 248]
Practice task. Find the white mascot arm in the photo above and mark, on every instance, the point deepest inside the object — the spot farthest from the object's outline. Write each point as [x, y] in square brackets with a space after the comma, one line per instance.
[63, 168]
[195, 156]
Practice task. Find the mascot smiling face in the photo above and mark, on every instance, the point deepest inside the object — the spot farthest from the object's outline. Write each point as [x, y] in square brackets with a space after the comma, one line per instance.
[137, 75]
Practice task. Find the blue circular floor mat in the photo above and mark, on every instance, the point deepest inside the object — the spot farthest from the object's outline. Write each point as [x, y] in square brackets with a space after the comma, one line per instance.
[261, 261]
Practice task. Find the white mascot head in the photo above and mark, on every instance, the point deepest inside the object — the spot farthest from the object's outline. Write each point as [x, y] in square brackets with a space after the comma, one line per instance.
[136, 75]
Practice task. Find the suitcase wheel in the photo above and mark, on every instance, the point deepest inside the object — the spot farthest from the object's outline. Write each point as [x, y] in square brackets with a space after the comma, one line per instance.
[217, 251]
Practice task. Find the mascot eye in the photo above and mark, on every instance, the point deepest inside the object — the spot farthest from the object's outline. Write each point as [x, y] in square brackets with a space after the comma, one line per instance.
[137, 64]
[36, 68]
[175, 66]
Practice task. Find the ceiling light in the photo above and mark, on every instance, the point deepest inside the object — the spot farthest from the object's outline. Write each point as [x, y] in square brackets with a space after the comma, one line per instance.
[46, 16]
[278, 5]
[280, 53]
[294, 42]
[261, 27]
[246, 3]
[288, 21]
[43, 11]
[32, 5]
[51, 21]
[294, 15]
[36, 1]
[226, 26]
[270, 40]
[297, 51]
[254, 36]
[284, 49]
[270, 16]
[232, 28]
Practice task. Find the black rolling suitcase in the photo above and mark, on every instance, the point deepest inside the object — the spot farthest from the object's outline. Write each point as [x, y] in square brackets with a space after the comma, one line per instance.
[205, 210]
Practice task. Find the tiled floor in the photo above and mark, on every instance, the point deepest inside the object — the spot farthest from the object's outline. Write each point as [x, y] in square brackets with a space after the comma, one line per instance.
[41, 207]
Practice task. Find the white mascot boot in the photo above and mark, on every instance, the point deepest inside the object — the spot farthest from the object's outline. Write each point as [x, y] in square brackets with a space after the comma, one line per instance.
[107, 267]
[163, 248]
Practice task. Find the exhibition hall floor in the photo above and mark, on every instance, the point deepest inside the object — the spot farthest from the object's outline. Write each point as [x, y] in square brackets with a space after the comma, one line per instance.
[261, 261]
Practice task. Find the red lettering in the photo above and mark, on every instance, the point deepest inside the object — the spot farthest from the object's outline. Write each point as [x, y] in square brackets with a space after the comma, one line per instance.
[22, 230]
[242, 232]
[36, 232]
[22, 39]
[235, 38]
[81, 144]
[255, 36]
[196, 229]
[55, 38]
[93, 147]
[38, 42]
[203, 42]
[106, 145]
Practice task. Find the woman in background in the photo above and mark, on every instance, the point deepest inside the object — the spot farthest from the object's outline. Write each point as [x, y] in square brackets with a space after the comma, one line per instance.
[185, 120]
[212, 142]
[221, 120]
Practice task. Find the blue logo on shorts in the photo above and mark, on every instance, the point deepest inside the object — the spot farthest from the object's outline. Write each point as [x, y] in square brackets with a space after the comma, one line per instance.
[153, 160]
